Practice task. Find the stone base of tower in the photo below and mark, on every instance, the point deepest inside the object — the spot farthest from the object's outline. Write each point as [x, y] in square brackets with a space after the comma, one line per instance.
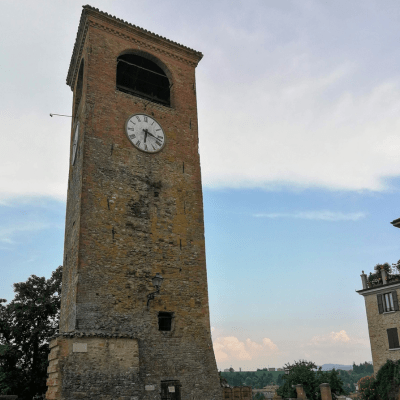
[107, 367]
[88, 367]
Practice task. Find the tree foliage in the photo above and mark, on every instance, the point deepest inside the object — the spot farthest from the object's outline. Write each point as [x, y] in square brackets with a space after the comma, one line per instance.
[365, 368]
[385, 386]
[26, 325]
[306, 373]
[366, 388]
[256, 379]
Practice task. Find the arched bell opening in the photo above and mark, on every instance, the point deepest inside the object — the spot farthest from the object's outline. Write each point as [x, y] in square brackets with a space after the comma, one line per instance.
[139, 75]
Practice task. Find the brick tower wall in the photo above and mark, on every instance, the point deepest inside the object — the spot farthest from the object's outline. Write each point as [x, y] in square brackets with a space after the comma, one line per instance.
[131, 215]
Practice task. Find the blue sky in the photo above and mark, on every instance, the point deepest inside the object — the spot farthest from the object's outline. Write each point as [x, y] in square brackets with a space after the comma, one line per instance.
[299, 123]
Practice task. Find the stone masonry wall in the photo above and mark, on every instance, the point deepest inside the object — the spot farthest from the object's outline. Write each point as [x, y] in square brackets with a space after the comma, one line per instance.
[377, 326]
[86, 366]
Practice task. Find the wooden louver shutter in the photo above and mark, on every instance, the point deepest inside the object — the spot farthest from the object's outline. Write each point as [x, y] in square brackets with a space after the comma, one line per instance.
[393, 338]
[395, 301]
[380, 303]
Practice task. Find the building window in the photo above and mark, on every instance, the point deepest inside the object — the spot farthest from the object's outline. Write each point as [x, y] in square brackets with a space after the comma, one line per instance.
[393, 338]
[387, 302]
[165, 321]
[170, 390]
[142, 77]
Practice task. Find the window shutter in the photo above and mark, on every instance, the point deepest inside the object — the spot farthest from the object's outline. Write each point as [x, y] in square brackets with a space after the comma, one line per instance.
[395, 301]
[380, 303]
[393, 338]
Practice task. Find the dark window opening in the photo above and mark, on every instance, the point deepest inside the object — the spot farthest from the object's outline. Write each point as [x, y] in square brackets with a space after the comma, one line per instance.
[79, 88]
[165, 321]
[393, 338]
[170, 390]
[142, 77]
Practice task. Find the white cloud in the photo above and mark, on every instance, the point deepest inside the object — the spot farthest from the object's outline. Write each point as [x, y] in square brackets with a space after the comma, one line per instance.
[331, 338]
[292, 108]
[294, 136]
[324, 215]
[298, 113]
[337, 347]
[8, 233]
[340, 336]
[36, 160]
[230, 348]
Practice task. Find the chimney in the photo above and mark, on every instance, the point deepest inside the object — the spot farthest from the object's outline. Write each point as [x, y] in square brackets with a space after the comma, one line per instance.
[325, 391]
[364, 280]
[384, 276]
[301, 394]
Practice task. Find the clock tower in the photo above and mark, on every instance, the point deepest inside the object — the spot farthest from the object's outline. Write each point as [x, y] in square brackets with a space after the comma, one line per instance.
[134, 312]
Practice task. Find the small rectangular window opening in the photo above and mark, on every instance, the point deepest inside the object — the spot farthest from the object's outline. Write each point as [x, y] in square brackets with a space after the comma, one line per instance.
[393, 338]
[165, 321]
[170, 390]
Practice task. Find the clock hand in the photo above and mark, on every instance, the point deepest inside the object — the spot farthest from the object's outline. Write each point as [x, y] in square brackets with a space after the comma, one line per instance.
[145, 134]
[153, 136]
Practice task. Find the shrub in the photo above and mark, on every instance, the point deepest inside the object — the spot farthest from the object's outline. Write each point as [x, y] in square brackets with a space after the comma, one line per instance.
[385, 386]
[366, 388]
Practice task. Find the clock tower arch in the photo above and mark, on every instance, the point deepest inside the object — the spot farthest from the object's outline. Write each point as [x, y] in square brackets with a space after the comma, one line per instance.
[134, 312]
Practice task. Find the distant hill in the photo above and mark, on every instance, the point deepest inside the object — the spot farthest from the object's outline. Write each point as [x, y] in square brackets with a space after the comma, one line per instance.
[328, 367]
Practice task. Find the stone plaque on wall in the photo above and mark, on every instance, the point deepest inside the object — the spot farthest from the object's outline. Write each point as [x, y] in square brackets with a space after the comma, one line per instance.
[79, 347]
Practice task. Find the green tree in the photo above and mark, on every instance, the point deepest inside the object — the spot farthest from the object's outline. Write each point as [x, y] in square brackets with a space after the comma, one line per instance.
[364, 369]
[306, 373]
[26, 325]
[301, 372]
[334, 380]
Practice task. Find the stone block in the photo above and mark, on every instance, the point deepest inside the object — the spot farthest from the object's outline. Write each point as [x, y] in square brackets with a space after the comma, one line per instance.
[54, 353]
[79, 347]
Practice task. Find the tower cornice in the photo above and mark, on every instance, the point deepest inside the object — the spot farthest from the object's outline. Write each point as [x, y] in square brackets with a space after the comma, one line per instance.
[93, 17]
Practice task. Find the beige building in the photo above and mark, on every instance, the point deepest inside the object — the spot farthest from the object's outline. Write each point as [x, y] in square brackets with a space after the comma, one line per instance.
[268, 391]
[383, 315]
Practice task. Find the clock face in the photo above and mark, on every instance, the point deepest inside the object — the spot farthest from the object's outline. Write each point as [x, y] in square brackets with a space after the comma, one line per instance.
[75, 144]
[145, 133]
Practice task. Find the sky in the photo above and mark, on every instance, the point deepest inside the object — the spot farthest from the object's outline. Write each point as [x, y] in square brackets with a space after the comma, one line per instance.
[299, 117]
